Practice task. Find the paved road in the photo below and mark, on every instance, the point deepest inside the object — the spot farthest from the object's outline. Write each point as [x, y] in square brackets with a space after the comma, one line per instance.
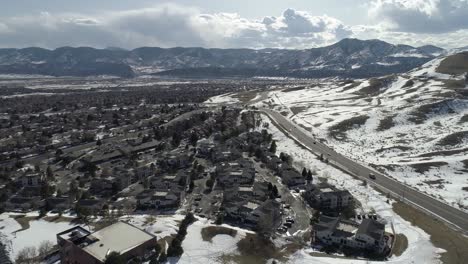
[454, 217]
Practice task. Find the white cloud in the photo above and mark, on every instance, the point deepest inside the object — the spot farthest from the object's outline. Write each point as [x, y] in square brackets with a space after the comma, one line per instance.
[421, 16]
[417, 22]
[171, 25]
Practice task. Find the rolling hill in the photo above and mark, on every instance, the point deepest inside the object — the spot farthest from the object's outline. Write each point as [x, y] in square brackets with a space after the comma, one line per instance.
[347, 58]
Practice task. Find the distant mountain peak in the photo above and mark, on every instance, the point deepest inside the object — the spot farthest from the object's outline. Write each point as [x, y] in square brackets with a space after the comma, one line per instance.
[347, 58]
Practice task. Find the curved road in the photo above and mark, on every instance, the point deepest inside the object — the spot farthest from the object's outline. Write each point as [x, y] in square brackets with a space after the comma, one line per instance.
[454, 217]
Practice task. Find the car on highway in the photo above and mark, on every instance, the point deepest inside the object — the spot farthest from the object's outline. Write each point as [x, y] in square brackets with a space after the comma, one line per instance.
[372, 176]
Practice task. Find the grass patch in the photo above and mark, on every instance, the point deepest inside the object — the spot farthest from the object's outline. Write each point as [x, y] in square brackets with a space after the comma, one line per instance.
[386, 123]
[165, 241]
[293, 89]
[297, 109]
[420, 114]
[255, 249]
[23, 221]
[444, 153]
[434, 182]
[426, 166]
[209, 232]
[454, 64]
[408, 84]
[401, 244]
[442, 236]
[339, 129]
[149, 220]
[454, 84]
[350, 84]
[245, 97]
[465, 163]
[59, 219]
[463, 119]
[402, 148]
[453, 139]
[376, 85]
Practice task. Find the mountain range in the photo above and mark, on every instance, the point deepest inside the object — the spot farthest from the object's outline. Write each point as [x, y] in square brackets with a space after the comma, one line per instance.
[346, 58]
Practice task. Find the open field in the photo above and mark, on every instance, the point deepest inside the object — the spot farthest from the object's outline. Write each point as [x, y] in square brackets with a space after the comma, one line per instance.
[454, 243]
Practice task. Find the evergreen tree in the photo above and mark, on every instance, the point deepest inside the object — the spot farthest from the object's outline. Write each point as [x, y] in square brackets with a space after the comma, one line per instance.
[49, 173]
[309, 176]
[193, 139]
[114, 258]
[275, 191]
[304, 172]
[175, 139]
[273, 147]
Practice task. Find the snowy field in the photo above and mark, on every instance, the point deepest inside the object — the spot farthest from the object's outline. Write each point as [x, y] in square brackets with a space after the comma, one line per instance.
[420, 249]
[196, 250]
[222, 99]
[38, 232]
[413, 126]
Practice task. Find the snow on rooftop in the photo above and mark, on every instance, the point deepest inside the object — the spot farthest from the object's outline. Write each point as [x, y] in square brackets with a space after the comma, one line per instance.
[119, 237]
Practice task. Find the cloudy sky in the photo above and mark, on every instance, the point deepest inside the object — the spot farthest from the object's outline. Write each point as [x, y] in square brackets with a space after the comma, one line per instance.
[230, 24]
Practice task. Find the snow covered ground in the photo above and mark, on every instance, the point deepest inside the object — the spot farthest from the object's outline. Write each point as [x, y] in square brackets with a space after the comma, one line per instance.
[196, 250]
[403, 124]
[160, 226]
[420, 249]
[38, 232]
[222, 99]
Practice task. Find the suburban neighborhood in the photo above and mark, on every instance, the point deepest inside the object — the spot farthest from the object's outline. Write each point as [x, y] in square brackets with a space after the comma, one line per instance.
[208, 162]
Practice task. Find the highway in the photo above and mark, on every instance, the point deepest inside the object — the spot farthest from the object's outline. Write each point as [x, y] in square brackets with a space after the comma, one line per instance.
[455, 218]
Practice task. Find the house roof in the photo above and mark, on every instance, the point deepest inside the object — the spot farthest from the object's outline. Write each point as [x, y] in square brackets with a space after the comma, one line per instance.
[371, 228]
[328, 194]
[251, 205]
[327, 223]
[119, 237]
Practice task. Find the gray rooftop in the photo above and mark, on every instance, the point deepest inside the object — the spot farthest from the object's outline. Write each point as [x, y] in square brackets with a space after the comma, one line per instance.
[119, 237]
[371, 228]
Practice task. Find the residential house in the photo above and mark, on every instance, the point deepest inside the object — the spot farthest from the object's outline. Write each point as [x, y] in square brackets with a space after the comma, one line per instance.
[23, 204]
[32, 180]
[368, 235]
[93, 206]
[58, 203]
[292, 178]
[327, 197]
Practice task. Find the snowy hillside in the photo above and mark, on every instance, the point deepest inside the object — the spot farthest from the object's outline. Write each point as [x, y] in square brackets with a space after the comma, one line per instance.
[413, 126]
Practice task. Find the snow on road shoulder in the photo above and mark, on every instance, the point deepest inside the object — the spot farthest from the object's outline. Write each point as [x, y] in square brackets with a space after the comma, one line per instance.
[419, 249]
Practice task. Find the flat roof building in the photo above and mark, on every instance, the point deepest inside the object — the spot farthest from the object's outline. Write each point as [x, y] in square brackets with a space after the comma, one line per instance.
[78, 245]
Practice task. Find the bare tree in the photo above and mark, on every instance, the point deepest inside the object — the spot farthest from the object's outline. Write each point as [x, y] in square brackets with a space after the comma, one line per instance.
[27, 255]
[44, 248]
